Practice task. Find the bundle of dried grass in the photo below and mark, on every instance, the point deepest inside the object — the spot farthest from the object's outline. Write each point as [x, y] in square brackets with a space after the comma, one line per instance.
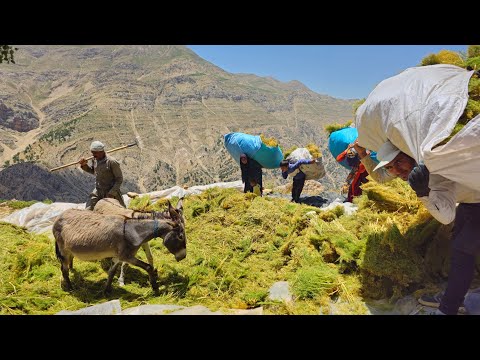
[269, 141]
[330, 128]
[314, 150]
[471, 62]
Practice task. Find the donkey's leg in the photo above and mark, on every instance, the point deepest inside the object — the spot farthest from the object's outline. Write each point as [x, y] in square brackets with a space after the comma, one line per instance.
[148, 252]
[152, 272]
[111, 273]
[65, 267]
[121, 278]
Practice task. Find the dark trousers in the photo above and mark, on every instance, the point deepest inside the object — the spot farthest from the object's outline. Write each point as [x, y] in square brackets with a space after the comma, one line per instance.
[98, 194]
[298, 183]
[465, 247]
[247, 187]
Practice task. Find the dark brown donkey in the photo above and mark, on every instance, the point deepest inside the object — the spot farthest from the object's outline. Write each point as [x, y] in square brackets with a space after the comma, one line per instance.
[92, 236]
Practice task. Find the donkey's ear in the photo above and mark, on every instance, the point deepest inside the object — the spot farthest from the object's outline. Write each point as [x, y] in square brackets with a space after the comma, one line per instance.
[180, 205]
[173, 213]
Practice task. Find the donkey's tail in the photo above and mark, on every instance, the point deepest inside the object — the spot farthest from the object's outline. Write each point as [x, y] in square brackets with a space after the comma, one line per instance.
[58, 253]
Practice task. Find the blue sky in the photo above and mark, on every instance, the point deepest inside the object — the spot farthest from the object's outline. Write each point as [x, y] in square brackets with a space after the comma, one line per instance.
[341, 71]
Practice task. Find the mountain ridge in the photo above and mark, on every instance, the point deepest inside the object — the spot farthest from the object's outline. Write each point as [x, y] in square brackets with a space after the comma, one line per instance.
[178, 104]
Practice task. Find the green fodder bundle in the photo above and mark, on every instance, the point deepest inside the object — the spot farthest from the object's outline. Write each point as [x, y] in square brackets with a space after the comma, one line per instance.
[29, 273]
[313, 281]
[395, 196]
[143, 203]
[357, 104]
[330, 128]
[337, 244]
[472, 61]
[314, 150]
[287, 152]
[269, 141]
[443, 57]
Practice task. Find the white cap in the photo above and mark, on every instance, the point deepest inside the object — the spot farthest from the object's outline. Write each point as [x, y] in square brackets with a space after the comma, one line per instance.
[386, 153]
[97, 146]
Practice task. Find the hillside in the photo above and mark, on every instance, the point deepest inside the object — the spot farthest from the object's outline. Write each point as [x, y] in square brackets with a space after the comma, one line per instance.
[28, 181]
[56, 99]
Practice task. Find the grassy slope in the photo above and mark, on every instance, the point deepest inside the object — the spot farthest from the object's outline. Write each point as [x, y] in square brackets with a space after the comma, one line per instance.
[238, 246]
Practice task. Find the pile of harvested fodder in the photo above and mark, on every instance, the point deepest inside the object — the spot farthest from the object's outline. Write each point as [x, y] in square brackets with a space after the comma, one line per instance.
[239, 245]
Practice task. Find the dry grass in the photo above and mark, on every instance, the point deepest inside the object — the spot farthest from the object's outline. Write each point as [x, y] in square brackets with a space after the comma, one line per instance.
[238, 246]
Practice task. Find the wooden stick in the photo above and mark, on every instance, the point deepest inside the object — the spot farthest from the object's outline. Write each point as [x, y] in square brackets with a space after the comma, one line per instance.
[91, 157]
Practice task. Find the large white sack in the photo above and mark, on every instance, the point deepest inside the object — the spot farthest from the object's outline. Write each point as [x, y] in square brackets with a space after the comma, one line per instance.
[459, 159]
[313, 171]
[416, 110]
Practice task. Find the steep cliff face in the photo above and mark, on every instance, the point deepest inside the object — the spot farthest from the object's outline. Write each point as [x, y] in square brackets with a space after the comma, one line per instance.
[20, 118]
[176, 104]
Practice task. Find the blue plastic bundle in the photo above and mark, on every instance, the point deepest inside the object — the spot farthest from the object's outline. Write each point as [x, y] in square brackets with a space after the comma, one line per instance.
[252, 146]
[339, 141]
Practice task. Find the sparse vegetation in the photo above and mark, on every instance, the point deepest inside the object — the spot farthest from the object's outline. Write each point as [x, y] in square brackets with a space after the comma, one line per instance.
[60, 133]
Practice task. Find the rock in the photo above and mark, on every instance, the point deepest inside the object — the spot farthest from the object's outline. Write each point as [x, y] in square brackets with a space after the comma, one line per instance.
[280, 291]
[152, 310]
[109, 308]
[195, 310]
[472, 302]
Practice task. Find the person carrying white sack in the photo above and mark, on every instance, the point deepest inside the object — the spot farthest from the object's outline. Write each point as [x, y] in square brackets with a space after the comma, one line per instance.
[410, 119]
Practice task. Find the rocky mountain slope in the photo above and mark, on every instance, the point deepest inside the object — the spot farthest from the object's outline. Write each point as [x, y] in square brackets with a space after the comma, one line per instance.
[56, 99]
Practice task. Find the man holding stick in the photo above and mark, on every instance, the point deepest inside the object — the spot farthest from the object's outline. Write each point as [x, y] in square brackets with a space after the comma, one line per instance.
[108, 175]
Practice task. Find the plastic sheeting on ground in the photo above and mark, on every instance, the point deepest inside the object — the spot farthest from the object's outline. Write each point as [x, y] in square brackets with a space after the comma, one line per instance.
[313, 171]
[349, 208]
[252, 146]
[40, 217]
[418, 109]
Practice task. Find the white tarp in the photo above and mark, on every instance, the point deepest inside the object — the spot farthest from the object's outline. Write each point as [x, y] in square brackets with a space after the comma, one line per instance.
[40, 217]
[313, 171]
[416, 110]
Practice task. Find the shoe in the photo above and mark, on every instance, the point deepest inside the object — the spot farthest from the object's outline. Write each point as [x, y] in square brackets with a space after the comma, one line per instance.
[431, 300]
[434, 301]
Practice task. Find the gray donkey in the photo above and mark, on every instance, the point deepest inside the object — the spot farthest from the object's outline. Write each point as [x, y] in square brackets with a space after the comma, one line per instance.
[93, 236]
[110, 206]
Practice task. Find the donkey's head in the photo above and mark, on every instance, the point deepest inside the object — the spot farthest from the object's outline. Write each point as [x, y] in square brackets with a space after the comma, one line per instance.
[176, 240]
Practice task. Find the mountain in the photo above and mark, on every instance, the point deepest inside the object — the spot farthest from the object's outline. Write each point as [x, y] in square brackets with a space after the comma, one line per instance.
[56, 99]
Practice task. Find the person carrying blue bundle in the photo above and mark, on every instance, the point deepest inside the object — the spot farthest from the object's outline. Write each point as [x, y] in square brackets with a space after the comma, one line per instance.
[251, 170]
[298, 179]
